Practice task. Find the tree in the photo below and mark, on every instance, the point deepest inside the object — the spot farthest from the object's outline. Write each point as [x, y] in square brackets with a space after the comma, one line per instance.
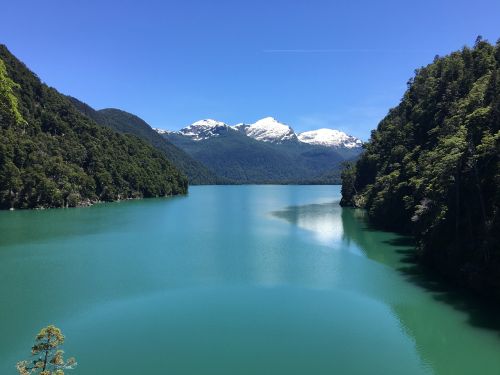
[348, 179]
[49, 358]
[432, 167]
[9, 110]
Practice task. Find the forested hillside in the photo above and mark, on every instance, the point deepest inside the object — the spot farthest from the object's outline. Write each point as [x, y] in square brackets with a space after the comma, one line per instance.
[432, 167]
[244, 160]
[51, 155]
[128, 123]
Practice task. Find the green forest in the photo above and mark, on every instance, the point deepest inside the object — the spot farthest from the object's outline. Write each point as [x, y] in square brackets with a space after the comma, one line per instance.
[51, 155]
[239, 159]
[432, 167]
[127, 123]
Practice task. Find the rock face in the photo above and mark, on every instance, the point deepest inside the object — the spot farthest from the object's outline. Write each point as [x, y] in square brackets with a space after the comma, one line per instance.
[329, 138]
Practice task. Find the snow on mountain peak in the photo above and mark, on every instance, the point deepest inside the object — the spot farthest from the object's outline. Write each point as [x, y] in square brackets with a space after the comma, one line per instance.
[204, 129]
[329, 138]
[269, 129]
[162, 131]
[208, 123]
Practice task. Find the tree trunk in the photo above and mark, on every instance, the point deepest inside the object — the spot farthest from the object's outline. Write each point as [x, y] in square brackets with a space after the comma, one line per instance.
[46, 354]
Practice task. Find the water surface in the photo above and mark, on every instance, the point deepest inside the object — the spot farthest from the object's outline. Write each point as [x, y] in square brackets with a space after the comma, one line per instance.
[229, 280]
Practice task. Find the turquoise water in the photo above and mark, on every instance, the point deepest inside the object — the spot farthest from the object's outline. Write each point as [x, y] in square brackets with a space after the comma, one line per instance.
[229, 280]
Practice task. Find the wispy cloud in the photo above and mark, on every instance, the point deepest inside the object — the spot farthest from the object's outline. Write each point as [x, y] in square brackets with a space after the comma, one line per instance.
[315, 50]
[341, 50]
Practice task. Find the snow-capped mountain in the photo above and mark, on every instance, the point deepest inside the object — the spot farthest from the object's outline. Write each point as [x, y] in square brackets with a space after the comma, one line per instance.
[329, 138]
[266, 151]
[265, 130]
[268, 129]
[204, 129]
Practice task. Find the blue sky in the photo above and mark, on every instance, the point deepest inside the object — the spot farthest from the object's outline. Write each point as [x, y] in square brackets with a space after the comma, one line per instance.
[310, 64]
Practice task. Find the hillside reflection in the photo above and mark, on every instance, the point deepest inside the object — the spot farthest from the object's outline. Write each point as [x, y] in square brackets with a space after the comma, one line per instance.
[448, 328]
[439, 330]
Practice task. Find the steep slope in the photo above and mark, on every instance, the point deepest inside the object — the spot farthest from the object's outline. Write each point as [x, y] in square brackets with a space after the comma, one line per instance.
[432, 167]
[128, 123]
[242, 159]
[238, 158]
[51, 155]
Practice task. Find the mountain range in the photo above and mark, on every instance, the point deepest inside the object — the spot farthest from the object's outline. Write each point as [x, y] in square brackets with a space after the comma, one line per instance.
[270, 130]
[266, 151]
[57, 151]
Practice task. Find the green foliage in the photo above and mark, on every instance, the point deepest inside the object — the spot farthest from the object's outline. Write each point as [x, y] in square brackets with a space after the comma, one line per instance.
[51, 155]
[432, 167]
[128, 123]
[9, 110]
[348, 189]
[243, 160]
[47, 359]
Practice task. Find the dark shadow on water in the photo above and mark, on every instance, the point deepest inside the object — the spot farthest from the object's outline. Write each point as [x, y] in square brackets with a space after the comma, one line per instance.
[398, 252]
[481, 312]
[401, 241]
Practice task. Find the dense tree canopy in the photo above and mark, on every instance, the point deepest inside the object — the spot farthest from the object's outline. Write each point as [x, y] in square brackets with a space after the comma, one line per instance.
[243, 160]
[124, 122]
[51, 155]
[432, 166]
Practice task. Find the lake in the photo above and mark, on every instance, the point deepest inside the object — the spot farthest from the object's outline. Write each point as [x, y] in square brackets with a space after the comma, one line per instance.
[232, 280]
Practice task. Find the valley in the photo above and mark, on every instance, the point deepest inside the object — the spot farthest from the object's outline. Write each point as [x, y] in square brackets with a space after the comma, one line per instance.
[267, 151]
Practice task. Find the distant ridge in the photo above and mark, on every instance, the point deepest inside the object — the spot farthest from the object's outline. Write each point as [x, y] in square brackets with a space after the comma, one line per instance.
[270, 130]
[128, 123]
[266, 151]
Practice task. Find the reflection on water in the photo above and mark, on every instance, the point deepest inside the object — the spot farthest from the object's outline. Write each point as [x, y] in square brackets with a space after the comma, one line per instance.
[441, 322]
[214, 283]
[323, 220]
